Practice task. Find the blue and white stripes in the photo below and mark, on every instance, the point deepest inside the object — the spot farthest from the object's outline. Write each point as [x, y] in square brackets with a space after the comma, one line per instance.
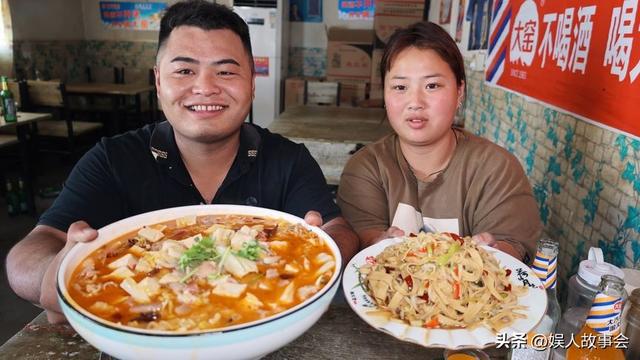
[545, 268]
[498, 43]
[604, 316]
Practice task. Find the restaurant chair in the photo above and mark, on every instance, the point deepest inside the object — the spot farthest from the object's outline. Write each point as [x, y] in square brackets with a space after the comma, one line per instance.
[148, 111]
[7, 140]
[104, 74]
[91, 106]
[61, 134]
[138, 76]
[9, 153]
[9, 157]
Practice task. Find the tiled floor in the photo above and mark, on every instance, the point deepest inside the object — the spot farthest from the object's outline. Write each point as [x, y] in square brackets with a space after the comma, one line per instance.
[14, 311]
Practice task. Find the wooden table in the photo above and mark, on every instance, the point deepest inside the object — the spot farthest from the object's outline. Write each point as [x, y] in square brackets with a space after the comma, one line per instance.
[109, 89]
[332, 134]
[24, 132]
[339, 334]
[117, 93]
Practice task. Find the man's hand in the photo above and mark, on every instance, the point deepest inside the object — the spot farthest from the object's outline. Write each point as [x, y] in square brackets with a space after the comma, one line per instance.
[486, 238]
[313, 218]
[78, 232]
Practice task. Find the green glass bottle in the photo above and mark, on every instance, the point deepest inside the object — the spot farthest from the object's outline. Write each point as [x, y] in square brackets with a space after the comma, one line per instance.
[8, 103]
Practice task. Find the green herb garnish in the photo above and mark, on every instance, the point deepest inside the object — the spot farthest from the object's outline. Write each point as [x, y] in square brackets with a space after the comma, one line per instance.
[250, 250]
[201, 251]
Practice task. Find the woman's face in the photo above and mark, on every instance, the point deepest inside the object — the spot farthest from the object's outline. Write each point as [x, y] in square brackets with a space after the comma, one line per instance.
[421, 96]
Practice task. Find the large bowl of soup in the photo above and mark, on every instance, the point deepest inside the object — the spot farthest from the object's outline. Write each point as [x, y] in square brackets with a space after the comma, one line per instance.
[199, 282]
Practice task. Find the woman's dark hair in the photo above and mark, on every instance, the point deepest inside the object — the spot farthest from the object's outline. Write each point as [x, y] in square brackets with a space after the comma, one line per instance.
[206, 16]
[424, 35]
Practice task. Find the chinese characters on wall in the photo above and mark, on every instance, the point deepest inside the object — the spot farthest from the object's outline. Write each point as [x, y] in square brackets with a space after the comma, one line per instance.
[356, 9]
[574, 55]
[131, 15]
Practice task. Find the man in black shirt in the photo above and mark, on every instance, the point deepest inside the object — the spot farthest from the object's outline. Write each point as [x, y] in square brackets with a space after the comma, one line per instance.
[203, 154]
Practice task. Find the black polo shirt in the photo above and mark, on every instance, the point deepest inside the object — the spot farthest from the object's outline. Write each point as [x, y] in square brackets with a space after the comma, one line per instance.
[142, 171]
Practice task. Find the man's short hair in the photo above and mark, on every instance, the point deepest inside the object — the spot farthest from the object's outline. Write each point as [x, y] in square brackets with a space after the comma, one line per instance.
[206, 16]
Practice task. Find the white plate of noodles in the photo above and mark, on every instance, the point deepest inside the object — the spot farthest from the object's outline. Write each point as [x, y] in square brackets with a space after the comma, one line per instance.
[440, 290]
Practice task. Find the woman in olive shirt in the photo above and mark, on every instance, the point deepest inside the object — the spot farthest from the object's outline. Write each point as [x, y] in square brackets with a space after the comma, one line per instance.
[462, 182]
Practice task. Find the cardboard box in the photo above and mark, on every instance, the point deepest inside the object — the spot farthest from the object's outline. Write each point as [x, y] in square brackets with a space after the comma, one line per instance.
[294, 91]
[393, 14]
[317, 91]
[376, 57]
[322, 93]
[349, 54]
[310, 91]
[352, 93]
[376, 92]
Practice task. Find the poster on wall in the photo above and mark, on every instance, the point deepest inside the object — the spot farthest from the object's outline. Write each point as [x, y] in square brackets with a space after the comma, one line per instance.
[261, 65]
[460, 21]
[574, 55]
[305, 10]
[479, 13]
[445, 12]
[131, 15]
[356, 9]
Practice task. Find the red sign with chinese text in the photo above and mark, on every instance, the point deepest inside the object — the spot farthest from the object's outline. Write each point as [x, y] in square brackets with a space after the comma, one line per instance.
[578, 56]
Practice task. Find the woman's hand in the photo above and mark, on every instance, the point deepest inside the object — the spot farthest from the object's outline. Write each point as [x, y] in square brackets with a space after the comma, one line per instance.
[373, 236]
[390, 233]
[486, 238]
[79, 231]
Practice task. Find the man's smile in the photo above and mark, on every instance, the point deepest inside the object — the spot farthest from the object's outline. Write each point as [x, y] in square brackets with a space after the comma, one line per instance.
[202, 108]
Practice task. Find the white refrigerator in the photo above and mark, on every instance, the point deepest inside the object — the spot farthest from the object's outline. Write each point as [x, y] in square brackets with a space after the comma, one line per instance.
[269, 33]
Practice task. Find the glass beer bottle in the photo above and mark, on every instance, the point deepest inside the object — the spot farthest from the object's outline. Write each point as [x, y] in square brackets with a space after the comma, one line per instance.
[602, 324]
[545, 267]
[8, 104]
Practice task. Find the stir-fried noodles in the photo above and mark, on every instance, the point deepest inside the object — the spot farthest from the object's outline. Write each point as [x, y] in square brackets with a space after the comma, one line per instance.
[442, 281]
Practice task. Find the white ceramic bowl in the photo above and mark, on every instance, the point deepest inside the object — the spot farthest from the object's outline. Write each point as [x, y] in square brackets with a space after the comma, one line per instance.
[243, 341]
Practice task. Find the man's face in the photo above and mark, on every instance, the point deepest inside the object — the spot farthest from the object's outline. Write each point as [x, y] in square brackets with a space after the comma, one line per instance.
[204, 82]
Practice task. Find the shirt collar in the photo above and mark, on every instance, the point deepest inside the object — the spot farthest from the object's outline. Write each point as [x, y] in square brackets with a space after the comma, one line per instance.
[165, 151]
[461, 138]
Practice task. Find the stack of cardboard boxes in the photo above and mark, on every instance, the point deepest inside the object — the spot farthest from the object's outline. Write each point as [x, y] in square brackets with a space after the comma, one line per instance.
[391, 15]
[353, 58]
[349, 63]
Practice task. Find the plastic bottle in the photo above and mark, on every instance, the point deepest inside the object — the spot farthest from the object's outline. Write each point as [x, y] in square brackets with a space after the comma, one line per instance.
[8, 103]
[632, 332]
[583, 287]
[603, 320]
[545, 267]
